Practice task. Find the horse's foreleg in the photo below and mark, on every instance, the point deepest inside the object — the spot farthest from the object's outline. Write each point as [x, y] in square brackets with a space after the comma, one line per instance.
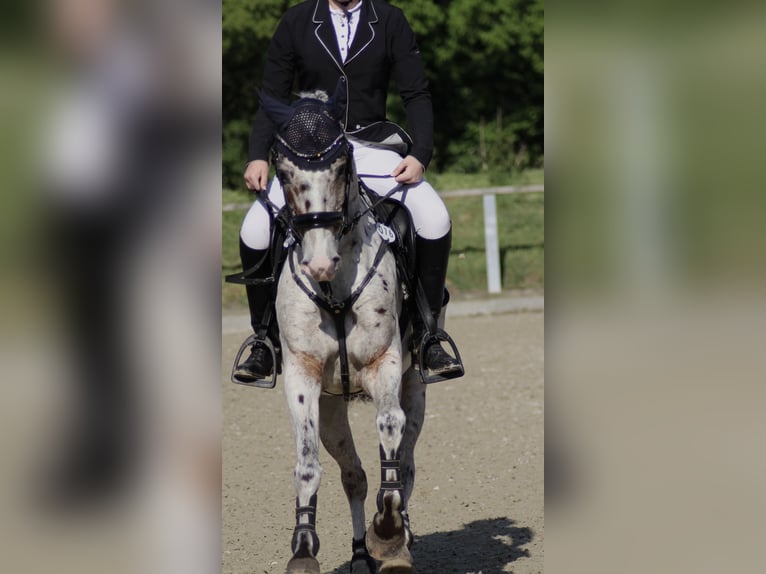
[387, 537]
[303, 389]
[335, 433]
[414, 405]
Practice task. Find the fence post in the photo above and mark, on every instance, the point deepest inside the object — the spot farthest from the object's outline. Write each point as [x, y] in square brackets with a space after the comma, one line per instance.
[491, 243]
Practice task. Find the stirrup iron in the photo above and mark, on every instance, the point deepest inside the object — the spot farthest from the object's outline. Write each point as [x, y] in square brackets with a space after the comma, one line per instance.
[438, 335]
[267, 383]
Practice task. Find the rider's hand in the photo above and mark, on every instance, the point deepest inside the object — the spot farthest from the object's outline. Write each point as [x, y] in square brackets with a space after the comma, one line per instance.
[257, 175]
[409, 171]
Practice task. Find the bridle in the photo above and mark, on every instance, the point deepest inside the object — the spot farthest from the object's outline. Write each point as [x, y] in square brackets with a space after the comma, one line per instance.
[298, 225]
[315, 152]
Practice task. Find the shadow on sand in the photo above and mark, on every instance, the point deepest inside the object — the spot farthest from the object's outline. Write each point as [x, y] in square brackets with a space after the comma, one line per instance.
[485, 546]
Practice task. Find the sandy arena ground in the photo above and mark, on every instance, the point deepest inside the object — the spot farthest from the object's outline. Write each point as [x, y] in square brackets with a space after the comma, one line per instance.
[477, 506]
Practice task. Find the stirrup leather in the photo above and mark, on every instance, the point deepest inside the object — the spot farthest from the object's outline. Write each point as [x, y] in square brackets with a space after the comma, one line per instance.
[267, 383]
[438, 335]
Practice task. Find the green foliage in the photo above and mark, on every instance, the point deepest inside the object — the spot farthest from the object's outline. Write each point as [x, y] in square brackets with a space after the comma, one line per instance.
[484, 60]
[247, 28]
[486, 69]
[520, 238]
[236, 134]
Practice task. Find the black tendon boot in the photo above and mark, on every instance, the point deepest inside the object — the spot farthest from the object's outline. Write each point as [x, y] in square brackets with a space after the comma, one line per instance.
[432, 256]
[258, 368]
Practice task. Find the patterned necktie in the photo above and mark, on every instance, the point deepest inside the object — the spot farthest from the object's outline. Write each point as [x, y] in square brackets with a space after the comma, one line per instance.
[348, 32]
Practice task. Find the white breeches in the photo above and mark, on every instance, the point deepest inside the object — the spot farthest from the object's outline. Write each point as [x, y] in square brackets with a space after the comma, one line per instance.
[429, 214]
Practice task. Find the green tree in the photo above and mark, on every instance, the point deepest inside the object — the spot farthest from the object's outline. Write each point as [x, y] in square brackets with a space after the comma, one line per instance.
[485, 62]
[247, 28]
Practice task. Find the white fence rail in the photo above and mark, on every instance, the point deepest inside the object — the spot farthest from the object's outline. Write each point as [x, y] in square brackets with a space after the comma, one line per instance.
[491, 240]
[491, 236]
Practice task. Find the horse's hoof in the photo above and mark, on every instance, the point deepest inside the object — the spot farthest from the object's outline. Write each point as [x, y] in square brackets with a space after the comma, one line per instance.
[306, 565]
[393, 550]
[382, 548]
[397, 566]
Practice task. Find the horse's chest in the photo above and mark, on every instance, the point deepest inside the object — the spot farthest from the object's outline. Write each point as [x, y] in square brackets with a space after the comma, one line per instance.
[369, 328]
[369, 338]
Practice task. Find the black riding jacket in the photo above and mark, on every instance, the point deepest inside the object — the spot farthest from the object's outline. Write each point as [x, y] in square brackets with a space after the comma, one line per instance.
[305, 49]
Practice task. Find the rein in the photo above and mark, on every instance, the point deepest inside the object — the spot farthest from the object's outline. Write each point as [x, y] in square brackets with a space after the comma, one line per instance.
[380, 200]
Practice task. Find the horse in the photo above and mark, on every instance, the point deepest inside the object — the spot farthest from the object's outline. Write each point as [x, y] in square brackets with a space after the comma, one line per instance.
[338, 306]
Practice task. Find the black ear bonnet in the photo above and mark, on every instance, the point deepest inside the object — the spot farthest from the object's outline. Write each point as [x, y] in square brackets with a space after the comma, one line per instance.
[309, 132]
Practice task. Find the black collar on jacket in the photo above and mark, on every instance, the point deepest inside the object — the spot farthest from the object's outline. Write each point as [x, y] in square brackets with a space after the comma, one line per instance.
[325, 32]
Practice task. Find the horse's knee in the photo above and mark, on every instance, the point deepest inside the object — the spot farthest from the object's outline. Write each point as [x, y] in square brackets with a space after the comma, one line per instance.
[391, 428]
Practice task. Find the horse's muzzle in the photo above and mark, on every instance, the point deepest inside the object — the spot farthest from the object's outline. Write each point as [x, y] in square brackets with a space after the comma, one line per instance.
[321, 268]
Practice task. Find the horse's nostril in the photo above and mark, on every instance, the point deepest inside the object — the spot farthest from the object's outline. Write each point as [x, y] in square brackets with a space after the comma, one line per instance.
[336, 259]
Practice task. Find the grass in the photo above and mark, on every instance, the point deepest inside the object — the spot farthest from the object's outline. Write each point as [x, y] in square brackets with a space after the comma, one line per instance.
[520, 238]
[520, 235]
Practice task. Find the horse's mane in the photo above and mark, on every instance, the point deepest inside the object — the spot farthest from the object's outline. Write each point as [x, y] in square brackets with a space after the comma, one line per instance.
[320, 95]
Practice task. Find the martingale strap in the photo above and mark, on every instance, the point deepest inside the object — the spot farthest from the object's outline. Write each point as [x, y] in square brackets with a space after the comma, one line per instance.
[338, 309]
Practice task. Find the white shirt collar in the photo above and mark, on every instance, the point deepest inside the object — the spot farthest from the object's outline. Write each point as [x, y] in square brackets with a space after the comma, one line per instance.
[353, 10]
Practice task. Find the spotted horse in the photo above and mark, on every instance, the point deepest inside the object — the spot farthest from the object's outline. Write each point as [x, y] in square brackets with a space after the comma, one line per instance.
[340, 307]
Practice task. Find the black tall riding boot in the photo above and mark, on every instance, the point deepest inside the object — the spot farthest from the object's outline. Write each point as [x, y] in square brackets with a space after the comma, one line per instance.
[260, 363]
[432, 257]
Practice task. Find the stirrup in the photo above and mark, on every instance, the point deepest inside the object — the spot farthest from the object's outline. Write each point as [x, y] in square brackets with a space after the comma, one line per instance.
[267, 383]
[438, 335]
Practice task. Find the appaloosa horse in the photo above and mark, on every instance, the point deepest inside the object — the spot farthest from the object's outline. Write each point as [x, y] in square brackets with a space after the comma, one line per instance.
[338, 306]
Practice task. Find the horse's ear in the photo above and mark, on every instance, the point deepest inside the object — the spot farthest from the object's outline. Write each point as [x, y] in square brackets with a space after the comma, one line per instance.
[339, 99]
[278, 112]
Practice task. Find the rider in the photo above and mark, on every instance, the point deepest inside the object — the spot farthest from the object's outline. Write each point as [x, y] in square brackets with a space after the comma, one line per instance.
[362, 43]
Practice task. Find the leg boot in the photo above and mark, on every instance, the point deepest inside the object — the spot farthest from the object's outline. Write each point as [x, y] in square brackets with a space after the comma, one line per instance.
[260, 363]
[432, 256]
